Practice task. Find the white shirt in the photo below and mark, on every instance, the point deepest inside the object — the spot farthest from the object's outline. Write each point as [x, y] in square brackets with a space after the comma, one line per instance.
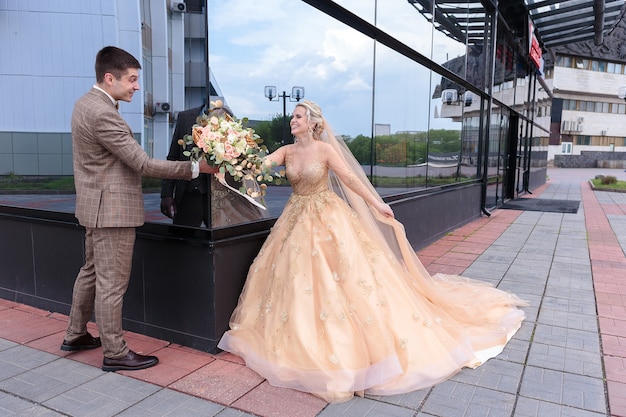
[115, 102]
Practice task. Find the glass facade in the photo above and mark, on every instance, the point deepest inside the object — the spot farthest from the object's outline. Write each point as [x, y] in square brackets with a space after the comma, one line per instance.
[427, 96]
[409, 86]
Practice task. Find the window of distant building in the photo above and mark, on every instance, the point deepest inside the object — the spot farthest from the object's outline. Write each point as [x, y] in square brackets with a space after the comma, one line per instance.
[614, 68]
[601, 107]
[564, 61]
[566, 147]
[587, 106]
[583, 140]
[599, 66]
[569, 104]
[594, 106]
[586, 64]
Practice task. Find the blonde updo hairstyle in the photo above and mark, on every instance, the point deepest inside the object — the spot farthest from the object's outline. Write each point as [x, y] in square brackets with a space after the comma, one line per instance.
[313, 115]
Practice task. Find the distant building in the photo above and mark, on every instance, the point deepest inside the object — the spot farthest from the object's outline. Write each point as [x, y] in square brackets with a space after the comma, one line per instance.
[40, 89]
[381, 129]
[586, 112]
[581, 106]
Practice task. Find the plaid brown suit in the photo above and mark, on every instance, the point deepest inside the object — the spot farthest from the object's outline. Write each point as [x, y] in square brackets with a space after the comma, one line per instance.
[108, 166]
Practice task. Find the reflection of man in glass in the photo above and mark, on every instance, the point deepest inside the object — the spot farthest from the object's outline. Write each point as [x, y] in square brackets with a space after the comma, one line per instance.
[187, 202]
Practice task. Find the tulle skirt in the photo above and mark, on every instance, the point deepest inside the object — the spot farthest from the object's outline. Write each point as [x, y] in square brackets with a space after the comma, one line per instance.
[328, 309]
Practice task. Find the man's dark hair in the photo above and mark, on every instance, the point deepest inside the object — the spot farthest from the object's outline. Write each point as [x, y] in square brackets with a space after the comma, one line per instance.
[115, 61]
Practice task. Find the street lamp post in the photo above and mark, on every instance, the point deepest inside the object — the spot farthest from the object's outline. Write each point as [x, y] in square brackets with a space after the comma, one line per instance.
[297, 93]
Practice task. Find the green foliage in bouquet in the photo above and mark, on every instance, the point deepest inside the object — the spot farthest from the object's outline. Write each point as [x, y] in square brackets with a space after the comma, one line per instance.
[235, 149]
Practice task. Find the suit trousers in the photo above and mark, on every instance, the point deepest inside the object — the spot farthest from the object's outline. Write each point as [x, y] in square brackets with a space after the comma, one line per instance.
[100, 286]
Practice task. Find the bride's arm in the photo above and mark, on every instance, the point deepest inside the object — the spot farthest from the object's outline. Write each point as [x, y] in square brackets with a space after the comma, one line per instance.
[344, 173]
[276, 158]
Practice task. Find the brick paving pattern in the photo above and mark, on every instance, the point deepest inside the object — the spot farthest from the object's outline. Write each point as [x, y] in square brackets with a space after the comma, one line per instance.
[567, 360]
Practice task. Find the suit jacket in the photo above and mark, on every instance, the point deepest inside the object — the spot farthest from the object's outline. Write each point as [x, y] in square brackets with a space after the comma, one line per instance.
[176, 188]
[109, 164]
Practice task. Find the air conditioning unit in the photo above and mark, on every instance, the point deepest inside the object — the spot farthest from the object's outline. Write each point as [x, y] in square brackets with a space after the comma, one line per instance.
[449, 96]
[162, 107]
[469, 98]
[178, 7]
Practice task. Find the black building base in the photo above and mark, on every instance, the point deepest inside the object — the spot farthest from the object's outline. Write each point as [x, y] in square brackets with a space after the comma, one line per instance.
[185, 282]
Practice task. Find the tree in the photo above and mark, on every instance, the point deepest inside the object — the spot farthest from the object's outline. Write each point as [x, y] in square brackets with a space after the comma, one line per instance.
[404, 148]
[271, 131]
[361, 148]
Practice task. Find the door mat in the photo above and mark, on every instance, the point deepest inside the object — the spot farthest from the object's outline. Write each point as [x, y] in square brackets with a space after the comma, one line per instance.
[543, 204]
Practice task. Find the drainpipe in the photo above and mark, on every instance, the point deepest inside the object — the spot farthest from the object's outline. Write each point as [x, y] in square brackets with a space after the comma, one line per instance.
[598, 24]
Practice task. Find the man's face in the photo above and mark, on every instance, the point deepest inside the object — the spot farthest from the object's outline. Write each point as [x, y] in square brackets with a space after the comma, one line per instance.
[124, 87]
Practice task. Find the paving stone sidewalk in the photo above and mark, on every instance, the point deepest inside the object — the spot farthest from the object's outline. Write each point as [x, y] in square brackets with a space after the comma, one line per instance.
[567, 360]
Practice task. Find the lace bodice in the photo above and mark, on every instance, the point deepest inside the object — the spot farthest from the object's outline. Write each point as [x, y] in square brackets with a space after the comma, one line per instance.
[310, 179]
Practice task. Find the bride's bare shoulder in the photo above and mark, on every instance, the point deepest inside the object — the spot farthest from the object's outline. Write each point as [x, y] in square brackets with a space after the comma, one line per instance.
[323, 145]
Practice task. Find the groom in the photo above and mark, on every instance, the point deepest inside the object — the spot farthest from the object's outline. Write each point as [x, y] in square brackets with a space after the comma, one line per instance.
[108, 166]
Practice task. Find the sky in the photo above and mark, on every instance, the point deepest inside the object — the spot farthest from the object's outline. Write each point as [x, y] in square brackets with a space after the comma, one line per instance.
[286, 43]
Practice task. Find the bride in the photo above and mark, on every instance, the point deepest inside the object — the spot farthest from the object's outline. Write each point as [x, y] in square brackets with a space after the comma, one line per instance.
[336, 302]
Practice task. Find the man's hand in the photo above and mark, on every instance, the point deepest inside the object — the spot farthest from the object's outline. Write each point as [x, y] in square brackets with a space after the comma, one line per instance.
[206, 168]
[168, 207]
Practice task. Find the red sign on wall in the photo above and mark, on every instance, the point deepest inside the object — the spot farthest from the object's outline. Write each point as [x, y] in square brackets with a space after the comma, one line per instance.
[534, 50]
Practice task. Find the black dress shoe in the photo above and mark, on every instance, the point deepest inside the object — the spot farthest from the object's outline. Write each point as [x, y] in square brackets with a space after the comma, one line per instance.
[84, 342]
[131, 362]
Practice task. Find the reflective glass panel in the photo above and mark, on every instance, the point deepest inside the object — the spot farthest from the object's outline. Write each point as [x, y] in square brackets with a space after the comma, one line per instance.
[262, 60]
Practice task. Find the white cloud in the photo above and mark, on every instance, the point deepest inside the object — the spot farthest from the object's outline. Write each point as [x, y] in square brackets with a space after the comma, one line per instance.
[233, 14]
[346, 49]
[289, 43]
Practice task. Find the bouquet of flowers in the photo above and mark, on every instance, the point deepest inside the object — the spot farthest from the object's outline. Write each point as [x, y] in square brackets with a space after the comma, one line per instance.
[234, 148]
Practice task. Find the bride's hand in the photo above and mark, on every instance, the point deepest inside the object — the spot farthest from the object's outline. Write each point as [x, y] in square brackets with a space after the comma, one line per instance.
[384, 209]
